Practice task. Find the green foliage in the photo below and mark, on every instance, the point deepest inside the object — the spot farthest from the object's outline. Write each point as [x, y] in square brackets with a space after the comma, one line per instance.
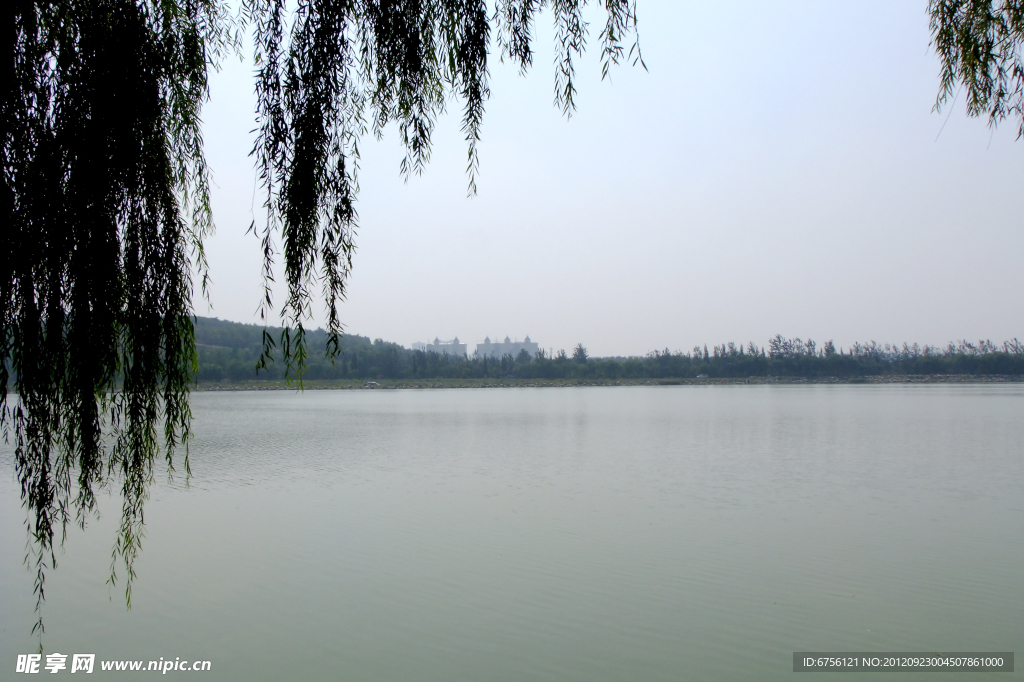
[981, 46]
[228, 352]
[105, 199]
[104, 193]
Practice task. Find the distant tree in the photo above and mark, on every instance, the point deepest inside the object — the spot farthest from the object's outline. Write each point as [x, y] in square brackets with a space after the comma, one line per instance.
[579, 354]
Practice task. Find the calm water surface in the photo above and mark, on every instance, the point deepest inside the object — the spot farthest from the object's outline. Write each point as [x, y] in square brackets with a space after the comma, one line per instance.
[629, 533]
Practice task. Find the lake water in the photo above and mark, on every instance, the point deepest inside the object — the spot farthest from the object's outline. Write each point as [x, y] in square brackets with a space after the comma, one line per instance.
[605, 533]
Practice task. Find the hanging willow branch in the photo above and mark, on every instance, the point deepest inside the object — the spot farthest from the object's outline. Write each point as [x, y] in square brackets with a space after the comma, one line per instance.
[105, 201]
[340, 68]
[980, 44]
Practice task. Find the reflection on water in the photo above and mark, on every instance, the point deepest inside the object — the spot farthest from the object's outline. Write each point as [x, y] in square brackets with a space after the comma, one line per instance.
[648, 533]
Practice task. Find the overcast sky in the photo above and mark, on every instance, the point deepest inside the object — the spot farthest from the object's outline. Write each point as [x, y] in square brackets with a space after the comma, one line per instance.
[779, 169]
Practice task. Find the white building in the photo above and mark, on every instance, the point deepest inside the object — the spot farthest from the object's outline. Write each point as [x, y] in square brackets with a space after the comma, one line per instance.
[489, 349]
[453, 347]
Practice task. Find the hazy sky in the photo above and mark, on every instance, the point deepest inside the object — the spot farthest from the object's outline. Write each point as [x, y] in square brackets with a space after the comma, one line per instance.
[779, 169]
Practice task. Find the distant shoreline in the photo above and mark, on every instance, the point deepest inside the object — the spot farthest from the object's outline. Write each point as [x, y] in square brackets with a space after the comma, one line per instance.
[350, 384]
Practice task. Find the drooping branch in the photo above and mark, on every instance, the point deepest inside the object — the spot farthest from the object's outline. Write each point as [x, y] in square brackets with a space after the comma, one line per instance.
[105, 205]
[105, 198]
[342, 68]
[980, 44]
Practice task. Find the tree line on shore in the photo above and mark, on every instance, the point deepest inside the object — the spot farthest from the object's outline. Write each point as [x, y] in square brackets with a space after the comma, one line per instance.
[229, 351]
